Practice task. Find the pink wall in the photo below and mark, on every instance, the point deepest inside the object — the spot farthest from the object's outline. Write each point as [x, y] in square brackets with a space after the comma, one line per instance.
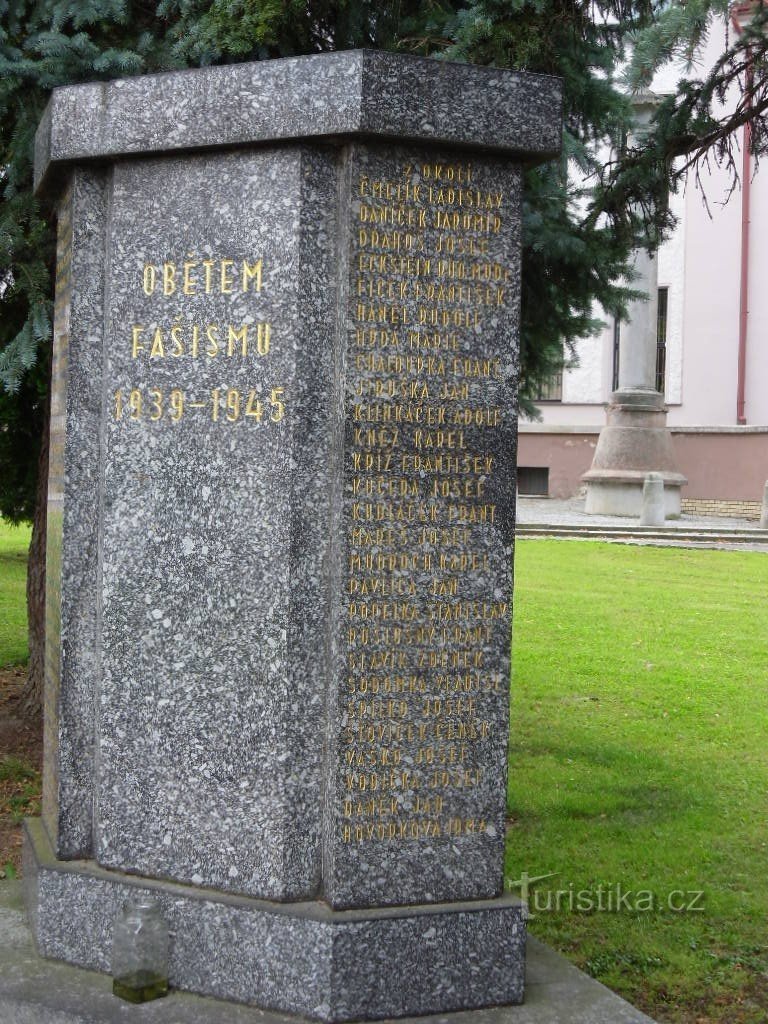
[729, 467]
[568, 457]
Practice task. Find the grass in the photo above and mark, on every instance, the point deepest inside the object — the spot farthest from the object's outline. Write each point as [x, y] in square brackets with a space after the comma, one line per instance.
[19, 778]
[14, 542]
[22, 785]
[638, 759]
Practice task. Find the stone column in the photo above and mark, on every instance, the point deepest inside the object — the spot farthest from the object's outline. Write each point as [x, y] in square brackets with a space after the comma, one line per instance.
[280, 548]
[635, 440]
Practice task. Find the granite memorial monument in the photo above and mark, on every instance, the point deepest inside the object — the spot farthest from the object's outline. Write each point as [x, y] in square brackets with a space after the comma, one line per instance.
[281, 516]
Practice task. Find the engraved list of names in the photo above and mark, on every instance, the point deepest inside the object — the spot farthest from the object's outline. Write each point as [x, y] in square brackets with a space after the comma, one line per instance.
[428, 522]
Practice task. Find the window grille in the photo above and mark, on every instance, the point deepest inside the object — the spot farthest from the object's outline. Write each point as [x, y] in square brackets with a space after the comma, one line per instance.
[661, 340]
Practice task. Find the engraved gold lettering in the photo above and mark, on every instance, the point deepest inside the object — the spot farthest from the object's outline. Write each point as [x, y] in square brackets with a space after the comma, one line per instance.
[208, 266]
[135, 403]
[425, 275]
[212, 336]
[156, 398]
[278, 405]
[169, 278]
[157, 351]
[233, 405]
[177, 405]
[233, 336]
[227, 280]
[254, 407]
[263, 338]
[189, 284]
[252, 272]
[460, 173]
[178, 344]
[136, 346]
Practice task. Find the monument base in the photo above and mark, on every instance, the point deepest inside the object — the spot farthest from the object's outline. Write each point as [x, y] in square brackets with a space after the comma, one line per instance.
[634, 442]
[301, 958]
[621, 494]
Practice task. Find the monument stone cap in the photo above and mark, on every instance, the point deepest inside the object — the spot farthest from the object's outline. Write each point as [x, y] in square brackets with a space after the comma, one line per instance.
[350, 93]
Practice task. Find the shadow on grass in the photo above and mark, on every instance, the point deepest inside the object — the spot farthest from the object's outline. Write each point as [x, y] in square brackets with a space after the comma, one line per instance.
[630, 787]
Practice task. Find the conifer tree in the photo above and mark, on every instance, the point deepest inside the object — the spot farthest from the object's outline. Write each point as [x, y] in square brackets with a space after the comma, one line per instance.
[579, 227]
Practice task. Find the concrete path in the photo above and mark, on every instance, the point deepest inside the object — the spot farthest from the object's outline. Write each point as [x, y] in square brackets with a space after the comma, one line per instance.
[36, 991]
[548, 517]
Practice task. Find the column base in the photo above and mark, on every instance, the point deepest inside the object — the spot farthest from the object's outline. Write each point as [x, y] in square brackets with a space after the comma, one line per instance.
[301, 958]
[634, 442]
[621, 494]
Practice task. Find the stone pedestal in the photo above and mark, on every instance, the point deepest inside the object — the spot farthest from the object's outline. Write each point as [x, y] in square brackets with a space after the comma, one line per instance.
[634, 442]
[281, 526]
[300, 957]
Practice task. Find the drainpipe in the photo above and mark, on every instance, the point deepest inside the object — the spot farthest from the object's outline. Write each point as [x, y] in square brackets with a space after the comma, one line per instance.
[746, 190]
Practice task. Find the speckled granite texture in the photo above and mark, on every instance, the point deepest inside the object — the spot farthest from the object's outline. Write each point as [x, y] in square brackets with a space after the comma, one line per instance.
[282, 525]
[213, 521]
[353, 92]
[299, 958]
[71, 661]
[424, 543]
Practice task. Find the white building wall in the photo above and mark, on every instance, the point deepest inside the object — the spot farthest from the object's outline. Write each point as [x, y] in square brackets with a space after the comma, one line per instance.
[700, 264]
[672, 276]
[756, 407]
[711, 312]
[583, 384]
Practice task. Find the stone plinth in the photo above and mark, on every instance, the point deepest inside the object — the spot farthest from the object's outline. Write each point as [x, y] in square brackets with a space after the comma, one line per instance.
[301, 957]
[634, 442]
[282, 518]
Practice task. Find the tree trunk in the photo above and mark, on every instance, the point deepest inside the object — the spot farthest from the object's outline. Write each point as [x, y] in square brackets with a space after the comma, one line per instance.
[31, 704]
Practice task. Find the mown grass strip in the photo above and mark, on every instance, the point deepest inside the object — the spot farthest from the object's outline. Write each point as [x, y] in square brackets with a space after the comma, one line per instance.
[14, 542]
[638, 764]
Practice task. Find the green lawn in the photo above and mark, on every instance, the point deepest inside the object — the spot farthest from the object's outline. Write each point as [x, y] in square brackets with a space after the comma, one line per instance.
[14, 542]
[639, 758]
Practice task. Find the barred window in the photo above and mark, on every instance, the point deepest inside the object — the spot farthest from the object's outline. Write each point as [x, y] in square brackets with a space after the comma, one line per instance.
[661, 343]
[533, 481]
[551, 390]
[661, 340]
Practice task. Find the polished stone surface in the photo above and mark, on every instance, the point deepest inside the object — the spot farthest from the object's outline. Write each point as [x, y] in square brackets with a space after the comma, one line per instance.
[294, 333]
[424, 540]
[38, 991]
[216, 453]
[71, 656]
[297, 957]
[348, 93]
